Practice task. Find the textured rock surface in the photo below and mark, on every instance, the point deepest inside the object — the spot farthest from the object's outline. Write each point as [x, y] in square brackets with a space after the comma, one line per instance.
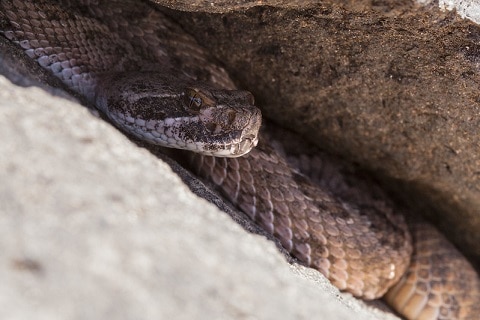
[228, 5]
[94, 227]
[393, 88]
[222, 6]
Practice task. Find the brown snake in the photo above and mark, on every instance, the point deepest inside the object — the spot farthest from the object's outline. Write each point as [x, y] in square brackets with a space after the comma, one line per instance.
[155, 82]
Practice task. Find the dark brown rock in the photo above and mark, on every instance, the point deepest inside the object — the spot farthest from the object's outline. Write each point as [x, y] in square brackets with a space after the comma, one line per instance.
[228, 5]
[393, 88]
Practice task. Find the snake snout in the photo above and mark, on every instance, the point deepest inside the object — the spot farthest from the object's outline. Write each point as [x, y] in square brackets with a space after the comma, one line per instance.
[246, 145]
[250, 131]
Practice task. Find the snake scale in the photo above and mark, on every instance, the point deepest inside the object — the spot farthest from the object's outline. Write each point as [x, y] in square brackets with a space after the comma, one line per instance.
[153, 80]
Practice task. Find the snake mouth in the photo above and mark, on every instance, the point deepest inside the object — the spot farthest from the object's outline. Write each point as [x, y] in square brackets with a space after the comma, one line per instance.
[235, 150]
[245, 146]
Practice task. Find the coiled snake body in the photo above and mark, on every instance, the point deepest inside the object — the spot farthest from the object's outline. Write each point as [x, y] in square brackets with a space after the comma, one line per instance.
[155, 82]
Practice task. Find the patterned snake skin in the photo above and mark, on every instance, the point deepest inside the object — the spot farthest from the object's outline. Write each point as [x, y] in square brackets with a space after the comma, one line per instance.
[132, 62]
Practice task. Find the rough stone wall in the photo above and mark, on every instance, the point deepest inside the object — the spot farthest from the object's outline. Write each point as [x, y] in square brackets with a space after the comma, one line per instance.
[392, 87]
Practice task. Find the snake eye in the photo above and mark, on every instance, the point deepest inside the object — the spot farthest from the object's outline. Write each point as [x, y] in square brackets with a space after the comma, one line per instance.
[193, 100]
[196, 99]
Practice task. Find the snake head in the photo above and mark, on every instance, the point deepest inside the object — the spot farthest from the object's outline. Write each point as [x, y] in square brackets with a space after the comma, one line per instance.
[227, 117]
[179, 113]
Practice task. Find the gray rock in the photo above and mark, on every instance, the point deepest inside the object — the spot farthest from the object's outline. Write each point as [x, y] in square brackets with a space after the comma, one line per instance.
[94, 227]
[469, 9]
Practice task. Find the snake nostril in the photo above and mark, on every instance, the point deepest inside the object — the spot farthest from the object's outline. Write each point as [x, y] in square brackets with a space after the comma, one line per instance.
[231, 117]
[211, 126]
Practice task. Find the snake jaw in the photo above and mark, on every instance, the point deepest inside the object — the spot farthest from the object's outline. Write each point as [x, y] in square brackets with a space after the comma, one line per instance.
[246, 145]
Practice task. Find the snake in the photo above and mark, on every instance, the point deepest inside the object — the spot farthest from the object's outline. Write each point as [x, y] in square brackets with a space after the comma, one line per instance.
[152, 80]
